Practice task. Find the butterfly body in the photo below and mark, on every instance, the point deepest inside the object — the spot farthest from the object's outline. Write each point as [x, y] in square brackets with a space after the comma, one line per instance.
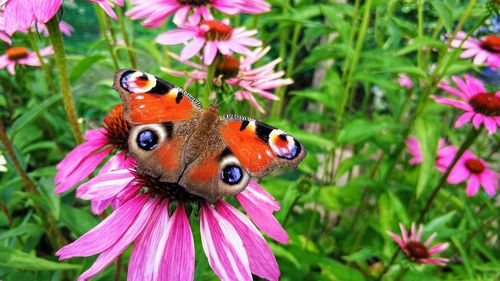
[212, 156]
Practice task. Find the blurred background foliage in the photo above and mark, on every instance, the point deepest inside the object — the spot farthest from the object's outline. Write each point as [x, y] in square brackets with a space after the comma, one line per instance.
[355, 183]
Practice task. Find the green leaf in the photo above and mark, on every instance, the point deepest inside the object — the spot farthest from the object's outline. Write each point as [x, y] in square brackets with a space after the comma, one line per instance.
[361, 129]
[421, 42]
[83, 65]
[428, 140]
[14, 258]
[445, 14]
[30, 115]
[20, 230]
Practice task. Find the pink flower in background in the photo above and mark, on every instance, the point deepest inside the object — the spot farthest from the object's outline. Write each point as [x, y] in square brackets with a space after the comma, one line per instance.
[480, 107]
[20, 15]
[239, 74]
[211, 36]
[3, 35]
[405, 81]
[108, 5]
[468, 168]
[417, 251]
[484, 51]
[22, 56]
[414, 150]
[156, 12]
[65, 27]
[163, 244]
[99, 143]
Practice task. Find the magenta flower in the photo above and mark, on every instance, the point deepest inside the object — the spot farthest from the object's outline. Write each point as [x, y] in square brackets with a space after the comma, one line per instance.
[108, 5]
[469, 168]
[22, 56]
[414, 150]
[211, 36]
[163, 244]
[485, 50]
[239, 74]
[20, 15]
[3, 35]
[65, 28]
[156, 12]
[405, 81]
[479, 106]
[417, 251]
[99, 143]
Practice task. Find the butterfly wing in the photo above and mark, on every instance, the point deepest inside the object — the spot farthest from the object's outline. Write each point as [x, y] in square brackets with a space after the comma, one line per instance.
[259, 147]
[216, 172]
[149, 100]
[158, 148]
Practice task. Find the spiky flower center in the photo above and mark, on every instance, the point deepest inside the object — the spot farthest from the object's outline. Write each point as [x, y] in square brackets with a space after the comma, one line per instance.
[117, 128]
[417, 250]
[474, 166]
[486, 104]
[17, 53]
[228, 66]
[216, 30]
[491, 43]
[165, 190]
[196, 3]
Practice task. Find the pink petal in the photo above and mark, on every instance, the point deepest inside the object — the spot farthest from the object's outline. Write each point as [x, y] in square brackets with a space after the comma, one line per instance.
[106, 233]
[261, 259]
[396, 238]
[459, 173]
[209, 53]
[454, 103]
[223, 246]
[490, 124]
[438, 248]
[145, 259]
[436, 261]
[477, 120]
[106, 257]
[192, 48]
[489, 181]
[430, 239]
[105, 186]
[261, 213]
[175, 37]
[181, 14]
[404, 233]
[472, 186]
[464, 118]
[85, 168]
[178, 258]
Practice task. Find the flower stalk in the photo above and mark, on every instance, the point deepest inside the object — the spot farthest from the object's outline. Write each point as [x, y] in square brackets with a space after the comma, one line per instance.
[101, 19]
[209, 83]
[128, 44]
[45, 69]
[60, 58]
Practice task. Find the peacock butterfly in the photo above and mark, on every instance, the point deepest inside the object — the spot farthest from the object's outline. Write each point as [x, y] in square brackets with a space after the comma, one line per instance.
[175, 139]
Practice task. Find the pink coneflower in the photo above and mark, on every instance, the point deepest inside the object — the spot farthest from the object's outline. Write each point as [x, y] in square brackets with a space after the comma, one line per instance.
[156, 12]
[417, 251]
[163, 244]
[211, 36]
[485, 50]
[414, 150]
[107, 6]
[405, 81]
[3, 35]
[22, 56]
[468, 168]
[479, 106]
[99, 143]
[20, 15]
[239, 74]
[65, 28]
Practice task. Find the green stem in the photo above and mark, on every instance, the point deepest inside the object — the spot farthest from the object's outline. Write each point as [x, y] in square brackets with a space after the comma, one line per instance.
[45, 69]
[471, 137]
[53, 232]
[289, 69]
[420, 31]
[357, 54]
[209, 83]
[101, 19]
[60, 58]
[128, 44]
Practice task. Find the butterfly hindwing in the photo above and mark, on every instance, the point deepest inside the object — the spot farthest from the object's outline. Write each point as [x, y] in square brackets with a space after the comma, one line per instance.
[148, 99]
[259, 147]
[158, 148]
[216, 172]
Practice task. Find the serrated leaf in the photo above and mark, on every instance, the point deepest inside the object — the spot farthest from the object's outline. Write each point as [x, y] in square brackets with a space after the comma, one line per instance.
[14, 258]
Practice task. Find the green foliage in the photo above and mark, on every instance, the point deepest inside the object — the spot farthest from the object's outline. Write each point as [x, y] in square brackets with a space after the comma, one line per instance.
[355, 183]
